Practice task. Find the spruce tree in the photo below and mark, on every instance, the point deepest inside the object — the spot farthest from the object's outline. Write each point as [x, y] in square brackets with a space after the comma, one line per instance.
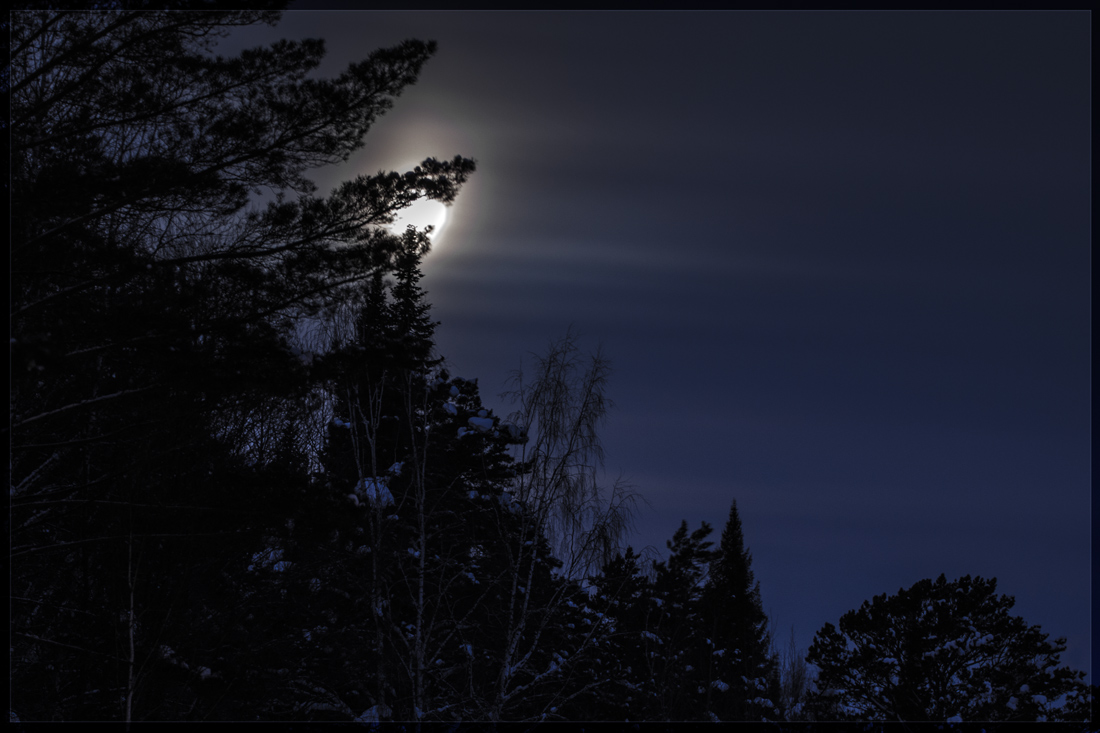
[677, 643]
[625, 595]
[417, 473]
[413, 328]
[741, 666]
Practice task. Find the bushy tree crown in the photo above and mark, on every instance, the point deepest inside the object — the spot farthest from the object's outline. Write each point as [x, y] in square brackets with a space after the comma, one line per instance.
[942, 651]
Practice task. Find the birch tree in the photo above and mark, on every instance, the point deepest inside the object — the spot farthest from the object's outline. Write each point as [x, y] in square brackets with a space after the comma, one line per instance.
[569, 525]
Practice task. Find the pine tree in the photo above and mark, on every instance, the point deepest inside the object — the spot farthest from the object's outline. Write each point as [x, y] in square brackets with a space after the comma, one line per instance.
[151, 312]
[942, 651]
[741, 666]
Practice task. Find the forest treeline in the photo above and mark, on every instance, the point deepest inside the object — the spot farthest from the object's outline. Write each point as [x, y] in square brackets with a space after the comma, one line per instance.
[243, 483]
[243, 486]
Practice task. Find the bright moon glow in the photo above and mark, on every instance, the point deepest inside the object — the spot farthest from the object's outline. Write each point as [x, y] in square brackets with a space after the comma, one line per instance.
[422, 214]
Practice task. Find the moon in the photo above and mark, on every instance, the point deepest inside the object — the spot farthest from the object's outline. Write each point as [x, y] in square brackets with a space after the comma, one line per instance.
[423, 213]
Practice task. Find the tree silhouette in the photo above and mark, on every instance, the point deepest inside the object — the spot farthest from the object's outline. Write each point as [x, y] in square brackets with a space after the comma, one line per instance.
[741, 666]
[679, 664]
[159, 404]
[942, 651]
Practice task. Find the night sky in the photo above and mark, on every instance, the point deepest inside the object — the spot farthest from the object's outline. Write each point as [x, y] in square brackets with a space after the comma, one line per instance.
[840, 262]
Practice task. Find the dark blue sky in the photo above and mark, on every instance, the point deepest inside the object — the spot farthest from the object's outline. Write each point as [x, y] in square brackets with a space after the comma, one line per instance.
[841, 263]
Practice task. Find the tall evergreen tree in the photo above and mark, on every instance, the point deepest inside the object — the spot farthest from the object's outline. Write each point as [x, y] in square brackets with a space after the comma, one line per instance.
[437, 537]
[678, 646]
[625, 595]
[741, 667]
[413, 328]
